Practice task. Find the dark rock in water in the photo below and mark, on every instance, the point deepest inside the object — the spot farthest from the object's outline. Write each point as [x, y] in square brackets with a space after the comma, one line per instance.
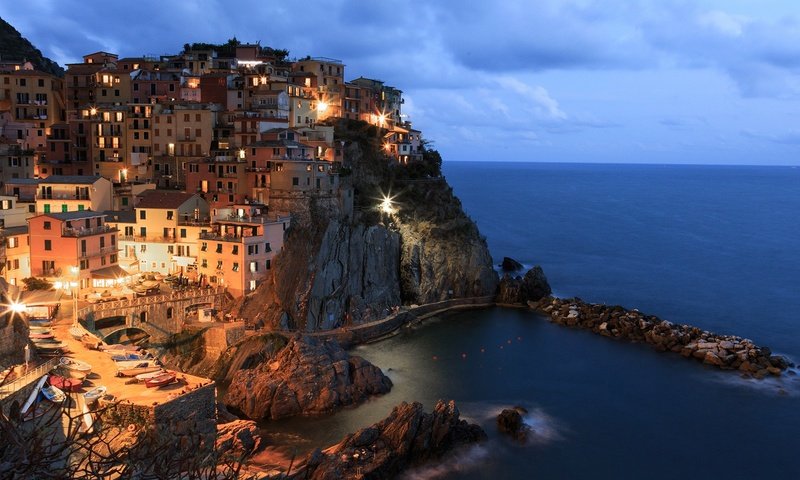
[510, 265]
[530, 288]
[308, 376]
[510, 422]
[407, 437]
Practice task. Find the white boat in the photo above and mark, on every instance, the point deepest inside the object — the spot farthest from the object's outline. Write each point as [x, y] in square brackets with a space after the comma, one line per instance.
[133, 363]
[27, 407]
[54, 394]
[77, 332]
[142, 367]
[92, 395]
[88, 421]
[144, 376]
[75, 368]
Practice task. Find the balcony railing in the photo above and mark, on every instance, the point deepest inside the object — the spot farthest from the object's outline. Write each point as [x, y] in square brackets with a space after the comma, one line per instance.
[97, 253]
[83, 231]
[61, 196]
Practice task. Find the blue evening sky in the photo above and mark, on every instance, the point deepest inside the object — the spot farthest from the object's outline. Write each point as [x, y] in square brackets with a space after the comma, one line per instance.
[666, 81]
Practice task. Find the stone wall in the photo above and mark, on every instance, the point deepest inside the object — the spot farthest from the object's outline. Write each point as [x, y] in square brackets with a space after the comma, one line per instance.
[191, 414]
[13, 337]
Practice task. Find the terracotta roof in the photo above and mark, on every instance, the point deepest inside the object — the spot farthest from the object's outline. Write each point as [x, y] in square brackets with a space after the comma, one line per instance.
[166, 199]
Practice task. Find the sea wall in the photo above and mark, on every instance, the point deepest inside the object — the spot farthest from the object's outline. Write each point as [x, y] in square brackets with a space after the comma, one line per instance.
[728, 352]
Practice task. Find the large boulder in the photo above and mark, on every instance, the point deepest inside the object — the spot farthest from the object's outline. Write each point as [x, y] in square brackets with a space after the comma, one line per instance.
[407, 437]
[510, 265]
[530, 288]
[308, 376]
[510, 422]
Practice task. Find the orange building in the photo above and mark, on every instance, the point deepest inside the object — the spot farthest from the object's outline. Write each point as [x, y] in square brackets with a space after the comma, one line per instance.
[74, 247]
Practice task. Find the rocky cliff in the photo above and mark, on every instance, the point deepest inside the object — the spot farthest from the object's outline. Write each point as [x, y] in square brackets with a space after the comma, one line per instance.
[307, 376]
[337, 270]
[407, 437]
[13, 338]
[13, 46]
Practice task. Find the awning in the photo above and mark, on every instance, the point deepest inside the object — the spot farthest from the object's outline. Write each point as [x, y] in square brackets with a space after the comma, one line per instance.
[110, 273]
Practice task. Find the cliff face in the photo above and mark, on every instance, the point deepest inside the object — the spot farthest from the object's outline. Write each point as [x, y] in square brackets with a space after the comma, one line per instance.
[336, 270]
[13, 338]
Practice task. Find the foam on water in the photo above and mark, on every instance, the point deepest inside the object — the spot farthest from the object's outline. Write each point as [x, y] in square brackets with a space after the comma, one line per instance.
[460, 461]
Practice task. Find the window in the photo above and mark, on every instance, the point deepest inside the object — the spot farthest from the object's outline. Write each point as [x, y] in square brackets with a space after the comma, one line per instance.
[142, 214]
[267, 248]
[113, 258]
[170, 249]
[169, 312]
[84, 265]
[219, 248]
[204, 263]
[253, 266]
[103, 260]
[183, 233]
[219, 264]
[143, 231]
[204, 247]
[102, 242]
[235, 266]
[235, 250]
[113, 240]
[48, 226]
[48, 245]
[295, 181]
[142, 248]
[170, 213]
[47, 208]
[268, 264]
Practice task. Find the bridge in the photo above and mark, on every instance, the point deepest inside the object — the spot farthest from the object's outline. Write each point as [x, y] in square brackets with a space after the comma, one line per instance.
[157, 316]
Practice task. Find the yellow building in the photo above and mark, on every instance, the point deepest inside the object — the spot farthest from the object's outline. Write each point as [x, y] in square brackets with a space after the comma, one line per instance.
[73, 193]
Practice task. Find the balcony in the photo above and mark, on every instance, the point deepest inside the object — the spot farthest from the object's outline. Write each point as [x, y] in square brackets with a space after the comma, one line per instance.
[85, 232]
[61, 196]
[96, 253]
[221, 237]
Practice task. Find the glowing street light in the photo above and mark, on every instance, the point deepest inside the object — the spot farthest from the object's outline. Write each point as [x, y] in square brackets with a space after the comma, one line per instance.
[322, 106]
[18, 307]
[93, 111]
[387, 205]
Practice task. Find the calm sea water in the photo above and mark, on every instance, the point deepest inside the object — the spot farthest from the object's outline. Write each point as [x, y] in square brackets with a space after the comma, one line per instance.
[717, 247]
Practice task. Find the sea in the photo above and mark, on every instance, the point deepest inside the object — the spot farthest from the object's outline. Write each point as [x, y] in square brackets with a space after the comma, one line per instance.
[713, 246]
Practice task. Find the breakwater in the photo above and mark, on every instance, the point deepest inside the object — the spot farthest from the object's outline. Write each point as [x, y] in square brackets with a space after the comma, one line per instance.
[728, 352]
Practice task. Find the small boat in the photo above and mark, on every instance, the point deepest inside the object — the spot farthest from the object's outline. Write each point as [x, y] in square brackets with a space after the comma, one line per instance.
[88, 421]
[160, 380]
[75, 368]
[133, 363]
[94, 394]
[138, 369]
[39, 323]
[40, 336]
[39, 329]
[54, 394]
[65, 384]
[49, 345]
[117, 347]
[28, 405]
[144, 376]
[131, 357]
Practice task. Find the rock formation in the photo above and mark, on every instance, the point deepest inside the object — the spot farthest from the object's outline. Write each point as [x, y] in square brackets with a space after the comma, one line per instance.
[308, 376]
[510, 265]
[407, 437]
[510, 422]
[532, 287]
[727, 352]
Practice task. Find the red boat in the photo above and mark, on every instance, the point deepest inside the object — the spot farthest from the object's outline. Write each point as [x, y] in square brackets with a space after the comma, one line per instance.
[40, 336]
[160, 380]
[65, 384]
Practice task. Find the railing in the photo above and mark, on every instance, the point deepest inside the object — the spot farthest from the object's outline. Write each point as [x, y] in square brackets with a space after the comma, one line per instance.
[81, 232]
[28, 378]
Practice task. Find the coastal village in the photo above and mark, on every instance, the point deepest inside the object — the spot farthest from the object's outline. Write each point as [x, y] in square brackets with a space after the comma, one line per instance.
[144, 201]
[140, 197]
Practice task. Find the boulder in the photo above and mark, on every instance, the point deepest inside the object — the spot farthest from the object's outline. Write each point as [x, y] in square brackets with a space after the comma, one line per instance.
[307, 376]
[510, 422]
[530, 288]
[510, 265]
[407, 437]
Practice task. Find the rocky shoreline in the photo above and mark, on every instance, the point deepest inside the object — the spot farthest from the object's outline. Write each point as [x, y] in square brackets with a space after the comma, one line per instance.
[727, 352]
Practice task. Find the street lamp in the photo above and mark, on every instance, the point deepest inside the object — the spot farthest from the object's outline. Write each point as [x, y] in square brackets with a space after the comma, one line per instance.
[75, 271]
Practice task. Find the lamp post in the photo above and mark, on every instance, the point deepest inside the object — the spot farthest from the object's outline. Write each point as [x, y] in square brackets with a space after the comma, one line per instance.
[75, 271]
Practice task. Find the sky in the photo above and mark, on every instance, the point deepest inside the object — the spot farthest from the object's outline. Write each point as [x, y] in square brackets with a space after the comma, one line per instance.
[665, 81]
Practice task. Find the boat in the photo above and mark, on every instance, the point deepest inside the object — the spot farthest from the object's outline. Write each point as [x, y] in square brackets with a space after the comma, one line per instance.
[133, 363]
[86, 416]
[77, 331]
[118, 347]
[160, 380]
[64, 383]
[39, 323]
[27, 408]
[75, 368]
[39, 329]
[138, 369]
[144, 376]
[94, 394]
[54, 394]
[90, 341]
[131, 357]
[49, 345]
[40, 336]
